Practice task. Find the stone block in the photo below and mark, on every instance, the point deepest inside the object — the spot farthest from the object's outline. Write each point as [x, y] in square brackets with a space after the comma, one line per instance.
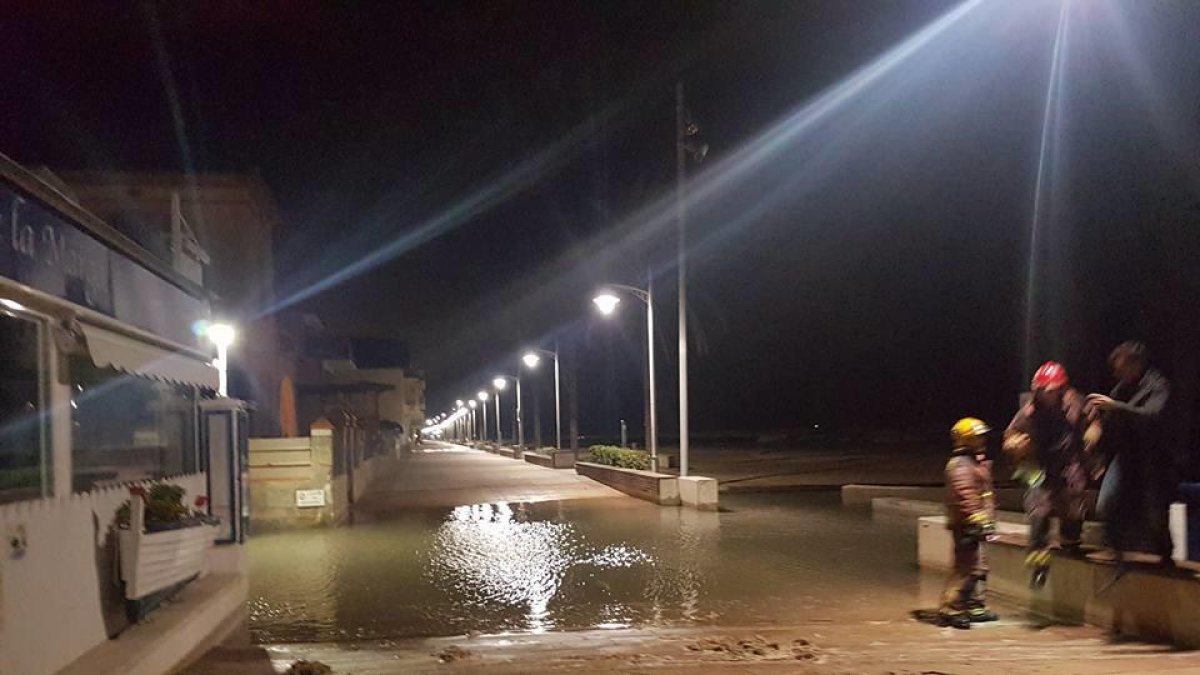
[698, 492]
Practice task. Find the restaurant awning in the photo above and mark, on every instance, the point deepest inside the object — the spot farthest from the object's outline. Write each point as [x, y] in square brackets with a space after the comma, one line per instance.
[112, 350]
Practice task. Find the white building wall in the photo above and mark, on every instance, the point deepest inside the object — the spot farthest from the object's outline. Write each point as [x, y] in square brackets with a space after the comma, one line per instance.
[50, 610]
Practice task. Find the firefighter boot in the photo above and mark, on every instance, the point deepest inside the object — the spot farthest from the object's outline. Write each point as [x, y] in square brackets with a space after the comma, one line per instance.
[1039, 563]
[981, 614]
[961, 621]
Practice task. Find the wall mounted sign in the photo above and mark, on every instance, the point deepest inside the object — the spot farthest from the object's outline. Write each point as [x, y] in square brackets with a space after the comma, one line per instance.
[307, 499]
[44, 250]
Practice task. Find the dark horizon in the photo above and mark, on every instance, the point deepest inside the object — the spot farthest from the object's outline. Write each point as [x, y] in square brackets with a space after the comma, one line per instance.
[465, 176]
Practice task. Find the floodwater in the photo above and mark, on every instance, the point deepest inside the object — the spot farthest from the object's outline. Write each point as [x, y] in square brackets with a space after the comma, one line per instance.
[583, 564]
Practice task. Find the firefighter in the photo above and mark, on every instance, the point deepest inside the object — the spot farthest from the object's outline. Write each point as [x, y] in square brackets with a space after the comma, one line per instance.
[971, 519]
[1050, 439]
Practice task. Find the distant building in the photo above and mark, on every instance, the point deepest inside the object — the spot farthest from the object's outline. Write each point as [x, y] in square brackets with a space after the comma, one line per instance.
[370, 377]
[218, 231]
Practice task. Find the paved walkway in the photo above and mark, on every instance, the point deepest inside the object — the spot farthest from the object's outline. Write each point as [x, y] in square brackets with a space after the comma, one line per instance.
[445, 474]
[878, 648]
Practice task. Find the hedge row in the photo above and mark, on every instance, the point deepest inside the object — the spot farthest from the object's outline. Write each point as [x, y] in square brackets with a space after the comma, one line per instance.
[612, 455]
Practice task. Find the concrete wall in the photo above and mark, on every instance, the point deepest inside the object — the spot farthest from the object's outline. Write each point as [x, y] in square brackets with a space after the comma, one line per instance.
[659, 488]
[1146, 604]
[51, 610]
[281, 466]
[278, 468]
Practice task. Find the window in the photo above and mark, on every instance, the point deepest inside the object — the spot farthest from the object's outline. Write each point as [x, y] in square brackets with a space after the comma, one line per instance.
[128, 427]
[23, 432]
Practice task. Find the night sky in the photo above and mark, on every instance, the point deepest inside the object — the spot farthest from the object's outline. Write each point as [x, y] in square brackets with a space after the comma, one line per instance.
[464, 175]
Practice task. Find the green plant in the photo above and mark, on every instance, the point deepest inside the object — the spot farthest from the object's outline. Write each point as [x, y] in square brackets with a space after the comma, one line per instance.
[624, 458]
[165, 509]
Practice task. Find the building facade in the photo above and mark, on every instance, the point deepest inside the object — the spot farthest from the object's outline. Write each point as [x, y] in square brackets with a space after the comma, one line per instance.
[102, 382]
[217, 230]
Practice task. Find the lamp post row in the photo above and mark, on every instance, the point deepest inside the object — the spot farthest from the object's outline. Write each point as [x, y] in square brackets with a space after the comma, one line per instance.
[686, 145]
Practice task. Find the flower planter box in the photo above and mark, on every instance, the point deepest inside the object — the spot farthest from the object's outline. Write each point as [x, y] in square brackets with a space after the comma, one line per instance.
[659, 488]
[559, 460]
[155, 561]
[511, 453]
[151, 562]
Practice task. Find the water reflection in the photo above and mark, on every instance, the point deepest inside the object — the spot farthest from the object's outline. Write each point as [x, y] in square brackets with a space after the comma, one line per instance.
[572, 565]
[487, 554]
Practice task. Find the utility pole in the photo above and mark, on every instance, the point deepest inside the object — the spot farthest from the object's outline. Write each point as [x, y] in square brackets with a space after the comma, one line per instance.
[681, 216]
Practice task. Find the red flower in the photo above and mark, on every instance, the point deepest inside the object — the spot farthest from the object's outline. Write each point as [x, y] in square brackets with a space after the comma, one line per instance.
[137, 491]
[201, 501]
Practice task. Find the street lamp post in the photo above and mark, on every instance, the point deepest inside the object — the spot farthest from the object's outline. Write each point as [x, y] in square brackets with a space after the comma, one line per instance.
[685, 145]
[471, 432]
[483, 397]
[518, 420]
[499, 383]
[531, 360]
[222, 336]
[607, 302]
[458, 406]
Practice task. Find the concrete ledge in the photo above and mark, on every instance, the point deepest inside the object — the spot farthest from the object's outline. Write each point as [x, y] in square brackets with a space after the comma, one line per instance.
[698, 492]
[893, 506]
[199, 617]
[1009, 499]
[659, 488]
[559, 460]
[1146, 603]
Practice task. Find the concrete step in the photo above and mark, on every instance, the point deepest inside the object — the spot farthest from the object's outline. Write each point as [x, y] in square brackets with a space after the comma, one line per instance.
[1147, 603]
[1093, 532]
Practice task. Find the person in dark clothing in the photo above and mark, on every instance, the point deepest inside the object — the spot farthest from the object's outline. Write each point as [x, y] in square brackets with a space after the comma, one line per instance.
[1136, 493]
[971, 519]
[1050, 438]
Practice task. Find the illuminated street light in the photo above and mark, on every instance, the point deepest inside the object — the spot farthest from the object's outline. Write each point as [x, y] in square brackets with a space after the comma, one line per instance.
[483, 397]
[501, 382]
[607, 302]
[222, 335]
[471, 419]
[531, 360]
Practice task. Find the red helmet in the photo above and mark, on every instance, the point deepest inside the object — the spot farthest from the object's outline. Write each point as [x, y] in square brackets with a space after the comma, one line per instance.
[1050, 376]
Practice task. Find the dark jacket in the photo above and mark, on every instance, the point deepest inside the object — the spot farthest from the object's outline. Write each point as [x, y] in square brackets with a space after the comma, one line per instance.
[1057, 435]
[1135, 427]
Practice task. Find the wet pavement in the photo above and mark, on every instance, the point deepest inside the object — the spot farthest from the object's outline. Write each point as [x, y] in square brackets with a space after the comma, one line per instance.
[445, 475]
[570, 565]
[786, 582]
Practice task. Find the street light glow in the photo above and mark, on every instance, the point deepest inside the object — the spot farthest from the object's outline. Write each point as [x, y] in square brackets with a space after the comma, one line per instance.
[606, 303]
[458, 403]
[221, 334]
[531, 360]
[472, 404]
[500, 383]
[483, 395]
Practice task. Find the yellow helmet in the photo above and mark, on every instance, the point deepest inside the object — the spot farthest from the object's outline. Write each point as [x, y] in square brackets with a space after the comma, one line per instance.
[969, 432]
